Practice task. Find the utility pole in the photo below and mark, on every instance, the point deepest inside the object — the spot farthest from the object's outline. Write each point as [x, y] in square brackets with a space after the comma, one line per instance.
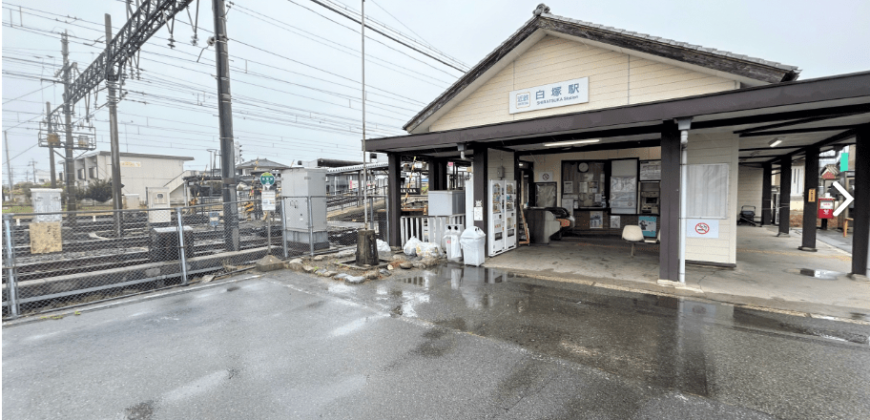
[225, 112]
[111, 84]
[50, 149]
[33, 169]
[8, 165]
[365, 180]
[67, 113]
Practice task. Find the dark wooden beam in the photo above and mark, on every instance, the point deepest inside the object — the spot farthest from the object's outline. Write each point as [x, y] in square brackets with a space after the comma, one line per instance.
[811, 188]
[770, 148]
[669, 216]
[784, 197]
[480, 180]
[798, 131]
[766, 194]
[861, 213]
[394, 198]
[791, 123]
[828, 141]
[592, 147]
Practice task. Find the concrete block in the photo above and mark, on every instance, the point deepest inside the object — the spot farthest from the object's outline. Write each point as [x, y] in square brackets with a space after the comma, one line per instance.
[269, 263]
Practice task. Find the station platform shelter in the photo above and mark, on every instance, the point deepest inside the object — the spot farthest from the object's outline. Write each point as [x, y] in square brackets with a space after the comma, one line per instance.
[615, 126]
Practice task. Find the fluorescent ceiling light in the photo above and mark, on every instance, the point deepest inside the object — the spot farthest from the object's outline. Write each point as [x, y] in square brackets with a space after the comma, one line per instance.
[565, 143]
[774, 142]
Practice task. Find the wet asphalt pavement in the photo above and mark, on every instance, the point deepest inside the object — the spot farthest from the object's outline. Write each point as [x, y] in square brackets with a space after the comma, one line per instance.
[457, 342]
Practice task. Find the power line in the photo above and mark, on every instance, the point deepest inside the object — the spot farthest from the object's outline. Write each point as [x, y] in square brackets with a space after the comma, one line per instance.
[376, 30]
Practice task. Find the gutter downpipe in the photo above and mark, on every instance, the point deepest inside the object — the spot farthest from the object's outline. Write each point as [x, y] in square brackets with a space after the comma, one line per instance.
[683, 124]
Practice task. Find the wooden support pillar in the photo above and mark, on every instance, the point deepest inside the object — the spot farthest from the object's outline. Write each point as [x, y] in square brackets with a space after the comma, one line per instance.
[478, 169]
[669, 217]
[394, 180]
[861, 212]
[784, 196]
[811, 190]
[437, 175]
[766, 195]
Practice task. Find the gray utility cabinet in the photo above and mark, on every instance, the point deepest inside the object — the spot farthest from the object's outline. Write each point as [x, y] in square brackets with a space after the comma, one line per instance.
[298, 185]
[446, 203]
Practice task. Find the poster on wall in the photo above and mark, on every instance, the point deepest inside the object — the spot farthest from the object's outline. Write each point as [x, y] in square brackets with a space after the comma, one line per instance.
[647, 225]
[702, 228]
[568, 187]
[596, 219]
[651, 171]
[614, 222]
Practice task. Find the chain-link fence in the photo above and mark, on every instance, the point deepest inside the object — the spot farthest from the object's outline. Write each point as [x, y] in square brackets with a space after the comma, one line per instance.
[61, 259]
[343, 221]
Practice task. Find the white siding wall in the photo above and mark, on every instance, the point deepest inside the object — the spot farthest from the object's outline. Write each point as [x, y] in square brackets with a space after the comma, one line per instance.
[749, 188]
[615, 79]
[496, 159]
[717, 148]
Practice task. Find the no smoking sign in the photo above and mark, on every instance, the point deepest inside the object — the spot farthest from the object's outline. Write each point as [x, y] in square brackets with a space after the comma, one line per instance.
[708, 229]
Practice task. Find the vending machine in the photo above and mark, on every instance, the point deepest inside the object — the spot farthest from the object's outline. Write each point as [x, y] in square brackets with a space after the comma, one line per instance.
[497, 220]
[510, 213]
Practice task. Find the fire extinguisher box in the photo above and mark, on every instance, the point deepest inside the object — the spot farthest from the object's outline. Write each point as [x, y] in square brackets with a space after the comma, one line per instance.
[826, 208]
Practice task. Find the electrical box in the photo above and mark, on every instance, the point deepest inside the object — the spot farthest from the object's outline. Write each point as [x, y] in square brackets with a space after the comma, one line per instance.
[446, 203]
[163, 243]
[158, 198]
[46, 200]
[131, 201]
[299, 185]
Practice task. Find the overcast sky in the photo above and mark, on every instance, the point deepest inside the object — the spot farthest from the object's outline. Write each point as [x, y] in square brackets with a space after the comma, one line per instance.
[303, 67]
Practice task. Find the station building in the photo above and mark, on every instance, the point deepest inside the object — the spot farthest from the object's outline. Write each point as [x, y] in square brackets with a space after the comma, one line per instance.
[596, 120]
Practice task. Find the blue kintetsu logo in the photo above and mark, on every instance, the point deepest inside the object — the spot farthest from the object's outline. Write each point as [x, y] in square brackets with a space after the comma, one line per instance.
[523, 100]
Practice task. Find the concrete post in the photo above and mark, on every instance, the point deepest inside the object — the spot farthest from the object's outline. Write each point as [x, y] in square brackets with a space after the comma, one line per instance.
[11, 284]
[181, 250]
[284, 227]
[784, 196]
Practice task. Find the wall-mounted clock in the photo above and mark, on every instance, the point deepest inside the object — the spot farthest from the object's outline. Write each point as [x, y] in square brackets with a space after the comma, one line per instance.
[583, 167]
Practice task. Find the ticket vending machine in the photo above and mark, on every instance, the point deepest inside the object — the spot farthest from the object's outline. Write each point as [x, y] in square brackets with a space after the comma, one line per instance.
[497, 220]
[510, 210]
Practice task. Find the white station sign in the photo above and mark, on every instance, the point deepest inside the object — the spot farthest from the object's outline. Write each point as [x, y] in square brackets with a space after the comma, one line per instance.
[569, 92]
[268, 198]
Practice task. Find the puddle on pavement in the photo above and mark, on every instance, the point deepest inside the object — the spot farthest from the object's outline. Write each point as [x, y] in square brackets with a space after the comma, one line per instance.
[819, 274]
[631, 334]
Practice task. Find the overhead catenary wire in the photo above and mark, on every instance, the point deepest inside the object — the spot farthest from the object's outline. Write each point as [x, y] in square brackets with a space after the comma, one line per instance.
[100, 30]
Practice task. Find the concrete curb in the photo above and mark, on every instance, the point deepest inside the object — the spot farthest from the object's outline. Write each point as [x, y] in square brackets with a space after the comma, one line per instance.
[71, 311]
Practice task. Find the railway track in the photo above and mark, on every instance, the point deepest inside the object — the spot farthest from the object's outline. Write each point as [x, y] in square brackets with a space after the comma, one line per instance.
[54, 268]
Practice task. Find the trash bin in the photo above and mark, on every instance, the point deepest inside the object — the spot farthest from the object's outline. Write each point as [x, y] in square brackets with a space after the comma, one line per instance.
[473, 242]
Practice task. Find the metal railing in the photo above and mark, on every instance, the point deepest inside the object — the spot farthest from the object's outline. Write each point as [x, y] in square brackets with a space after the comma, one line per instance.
[427, 228]
[62, 259]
